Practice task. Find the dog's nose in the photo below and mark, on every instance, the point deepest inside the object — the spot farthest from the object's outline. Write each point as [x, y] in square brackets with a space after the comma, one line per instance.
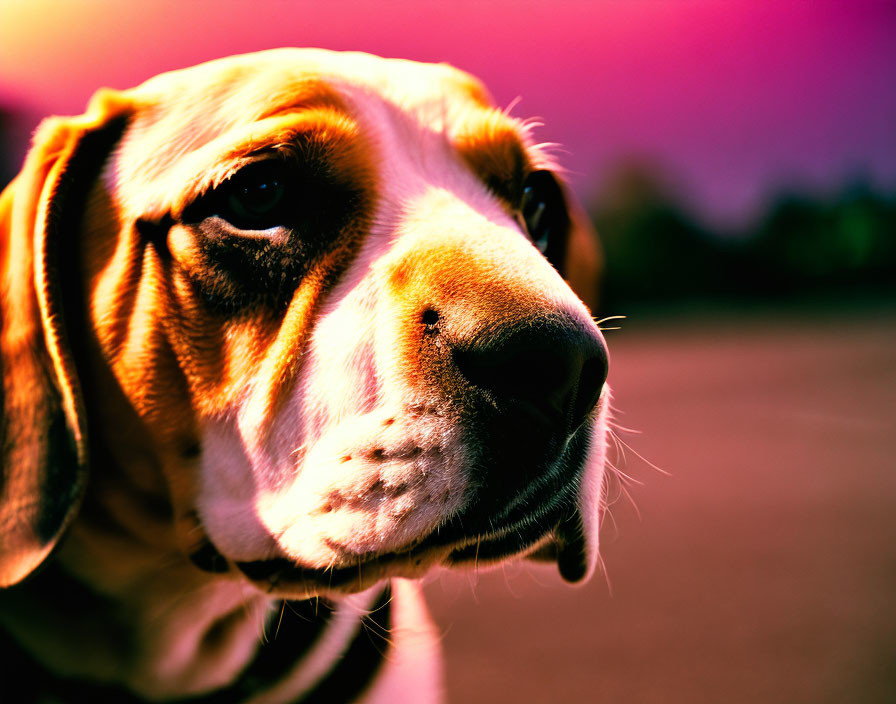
[551, 372]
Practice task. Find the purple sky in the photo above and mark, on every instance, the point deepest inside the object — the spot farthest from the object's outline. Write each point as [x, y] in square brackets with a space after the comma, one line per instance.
[733, 98]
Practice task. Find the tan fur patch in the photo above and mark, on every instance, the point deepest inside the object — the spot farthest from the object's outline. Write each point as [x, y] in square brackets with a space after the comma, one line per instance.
[491, 144]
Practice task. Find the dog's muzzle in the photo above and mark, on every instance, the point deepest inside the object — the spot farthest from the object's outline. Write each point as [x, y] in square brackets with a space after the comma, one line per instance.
[525, 390]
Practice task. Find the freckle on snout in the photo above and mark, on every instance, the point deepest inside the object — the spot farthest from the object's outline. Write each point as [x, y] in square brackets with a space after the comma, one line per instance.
[399, 489]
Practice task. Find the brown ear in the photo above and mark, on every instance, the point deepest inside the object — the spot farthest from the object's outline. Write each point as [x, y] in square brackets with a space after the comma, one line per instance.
[44, 461]
[584, 261]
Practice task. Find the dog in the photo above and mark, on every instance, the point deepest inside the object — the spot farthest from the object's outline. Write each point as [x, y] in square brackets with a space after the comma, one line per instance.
[281, 333]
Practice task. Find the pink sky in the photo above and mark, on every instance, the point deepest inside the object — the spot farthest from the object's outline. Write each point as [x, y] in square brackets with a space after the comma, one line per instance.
[733, 98]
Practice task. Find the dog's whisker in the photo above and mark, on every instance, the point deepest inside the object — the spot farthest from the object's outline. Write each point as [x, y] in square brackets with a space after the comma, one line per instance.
[608, 318]
[602, 567]
[623, 476]
[618, 448]
[476, 556]
[507, 582]
[631, 500]
[623, 429]
[641, 457]
[279, 620]
[608, 515]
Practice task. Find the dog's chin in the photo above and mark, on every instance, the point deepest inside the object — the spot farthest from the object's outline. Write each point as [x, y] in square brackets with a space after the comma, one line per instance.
[565, 546]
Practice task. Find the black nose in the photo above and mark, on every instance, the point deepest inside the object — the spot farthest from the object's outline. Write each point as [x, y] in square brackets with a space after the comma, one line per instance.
[552, 371]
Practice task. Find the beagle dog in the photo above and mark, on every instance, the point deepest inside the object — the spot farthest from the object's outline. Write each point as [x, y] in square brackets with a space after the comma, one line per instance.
[281, 333]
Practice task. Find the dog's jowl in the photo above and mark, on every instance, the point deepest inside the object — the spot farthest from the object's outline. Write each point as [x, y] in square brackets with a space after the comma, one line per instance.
[281, 333]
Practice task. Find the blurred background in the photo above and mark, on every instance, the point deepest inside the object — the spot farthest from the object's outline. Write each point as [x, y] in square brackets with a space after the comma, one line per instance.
[739, 160]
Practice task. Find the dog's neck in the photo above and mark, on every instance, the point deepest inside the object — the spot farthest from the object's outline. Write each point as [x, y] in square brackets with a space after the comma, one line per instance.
[295, 660]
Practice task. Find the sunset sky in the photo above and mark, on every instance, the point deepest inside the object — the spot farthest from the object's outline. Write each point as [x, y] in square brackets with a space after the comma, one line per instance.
[733, 99]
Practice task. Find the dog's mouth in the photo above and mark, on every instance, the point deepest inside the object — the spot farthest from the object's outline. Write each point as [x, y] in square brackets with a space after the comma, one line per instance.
[542, 522]
[564, 544]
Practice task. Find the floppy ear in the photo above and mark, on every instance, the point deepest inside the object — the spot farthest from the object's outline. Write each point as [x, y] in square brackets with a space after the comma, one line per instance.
[584, 261]
[44, 461]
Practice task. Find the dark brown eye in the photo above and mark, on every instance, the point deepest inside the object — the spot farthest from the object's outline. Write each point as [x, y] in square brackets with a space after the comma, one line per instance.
[258, 197]
[543, 215]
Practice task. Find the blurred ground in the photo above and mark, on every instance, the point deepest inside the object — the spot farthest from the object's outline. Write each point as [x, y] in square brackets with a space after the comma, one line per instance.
[762, 570]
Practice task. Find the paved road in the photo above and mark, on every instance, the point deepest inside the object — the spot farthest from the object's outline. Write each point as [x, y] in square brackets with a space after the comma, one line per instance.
[763, 570]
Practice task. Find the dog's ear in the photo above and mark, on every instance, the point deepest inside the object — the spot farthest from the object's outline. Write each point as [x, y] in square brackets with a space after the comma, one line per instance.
[44, 461]
[583, 262]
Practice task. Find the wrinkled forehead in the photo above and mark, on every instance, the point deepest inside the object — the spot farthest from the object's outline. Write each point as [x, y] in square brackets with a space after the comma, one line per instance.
[209, 118]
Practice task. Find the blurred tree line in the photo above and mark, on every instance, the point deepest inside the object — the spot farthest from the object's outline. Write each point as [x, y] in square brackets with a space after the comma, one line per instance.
[658, 252]
[6, 167]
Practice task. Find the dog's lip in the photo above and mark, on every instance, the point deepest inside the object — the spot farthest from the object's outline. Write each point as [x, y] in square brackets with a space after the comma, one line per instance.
[563, 545]
[285, 574]
[560, 543]
[567, 548]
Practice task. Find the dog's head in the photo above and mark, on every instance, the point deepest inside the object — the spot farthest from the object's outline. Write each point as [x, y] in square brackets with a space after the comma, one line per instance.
[322, 297]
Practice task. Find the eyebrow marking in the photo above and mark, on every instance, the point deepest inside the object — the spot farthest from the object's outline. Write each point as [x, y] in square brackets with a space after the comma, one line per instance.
[321, 136]
[303, 94]
[493, 145]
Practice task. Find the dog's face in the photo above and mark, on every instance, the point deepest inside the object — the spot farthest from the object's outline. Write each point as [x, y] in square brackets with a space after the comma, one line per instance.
[326, 289]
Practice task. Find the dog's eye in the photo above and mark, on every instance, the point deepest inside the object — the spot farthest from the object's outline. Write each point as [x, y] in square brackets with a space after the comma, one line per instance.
[255, 198]
[542, 209]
